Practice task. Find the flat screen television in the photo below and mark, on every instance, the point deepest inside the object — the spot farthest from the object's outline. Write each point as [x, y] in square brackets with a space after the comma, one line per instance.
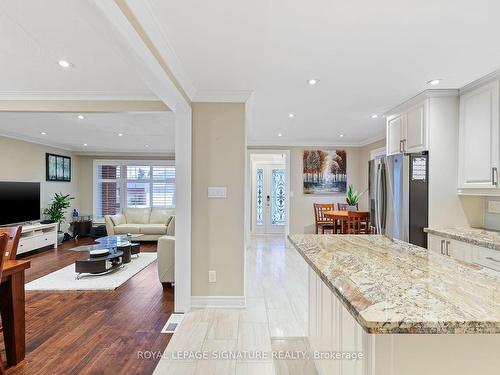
[19, 202]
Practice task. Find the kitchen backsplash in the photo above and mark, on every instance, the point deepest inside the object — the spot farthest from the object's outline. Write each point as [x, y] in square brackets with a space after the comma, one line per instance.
[492, 213]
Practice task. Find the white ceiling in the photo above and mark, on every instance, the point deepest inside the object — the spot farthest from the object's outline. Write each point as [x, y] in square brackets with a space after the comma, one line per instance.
[98, 130]
[35, 35]
[368, 55]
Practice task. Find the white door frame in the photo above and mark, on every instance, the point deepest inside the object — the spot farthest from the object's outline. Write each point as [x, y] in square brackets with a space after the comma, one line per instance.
[249, 189]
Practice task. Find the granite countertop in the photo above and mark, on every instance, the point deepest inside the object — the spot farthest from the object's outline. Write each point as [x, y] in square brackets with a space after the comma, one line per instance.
[474, 236]
[390, 286]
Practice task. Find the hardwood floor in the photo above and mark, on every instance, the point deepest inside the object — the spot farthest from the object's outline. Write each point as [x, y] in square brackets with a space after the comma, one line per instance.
[93, 332]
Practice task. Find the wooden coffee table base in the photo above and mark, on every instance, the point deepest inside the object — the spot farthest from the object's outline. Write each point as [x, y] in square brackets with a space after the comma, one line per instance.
[101, 265]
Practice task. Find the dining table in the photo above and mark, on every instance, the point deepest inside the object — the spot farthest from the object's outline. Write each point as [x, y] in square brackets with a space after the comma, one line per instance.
[338, 216]
[12, 309]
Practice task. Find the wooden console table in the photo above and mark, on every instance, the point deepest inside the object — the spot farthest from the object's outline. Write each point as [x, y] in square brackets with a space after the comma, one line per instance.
[12, 304]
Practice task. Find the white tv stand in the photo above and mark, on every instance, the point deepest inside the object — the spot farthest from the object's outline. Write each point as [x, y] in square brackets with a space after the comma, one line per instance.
[36, 236]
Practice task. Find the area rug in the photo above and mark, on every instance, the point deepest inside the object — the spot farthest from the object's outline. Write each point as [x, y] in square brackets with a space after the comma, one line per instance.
[65, 278]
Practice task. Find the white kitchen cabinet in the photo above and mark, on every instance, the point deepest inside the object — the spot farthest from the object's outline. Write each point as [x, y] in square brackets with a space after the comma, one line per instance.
[459, 250]
[415, 139]
[478, 158]
[394, 135]
[435, 243]
[407, 131]
[452, 248]
[486, 257]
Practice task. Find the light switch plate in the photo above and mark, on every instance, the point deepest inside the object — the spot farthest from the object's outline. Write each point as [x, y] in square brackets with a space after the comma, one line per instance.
[212, 276]
[217, 192]
[494, 207]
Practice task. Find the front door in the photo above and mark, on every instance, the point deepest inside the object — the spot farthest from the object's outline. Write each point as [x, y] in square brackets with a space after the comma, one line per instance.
[269, 198]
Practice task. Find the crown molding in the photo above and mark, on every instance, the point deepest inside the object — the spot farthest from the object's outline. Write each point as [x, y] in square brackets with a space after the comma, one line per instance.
[35, 141]
[90, 151]
[371, 140]
[229, 96]
[480, 82]
[430, 93]
[168, 155]
[266, 144]
[77, 95]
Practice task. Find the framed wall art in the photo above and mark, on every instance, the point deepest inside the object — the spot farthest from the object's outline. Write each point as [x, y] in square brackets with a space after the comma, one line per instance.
[57, 167]
[325, 171]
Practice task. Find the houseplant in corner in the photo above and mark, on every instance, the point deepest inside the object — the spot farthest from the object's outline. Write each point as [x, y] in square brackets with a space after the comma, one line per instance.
[57, 211]
[352, 199]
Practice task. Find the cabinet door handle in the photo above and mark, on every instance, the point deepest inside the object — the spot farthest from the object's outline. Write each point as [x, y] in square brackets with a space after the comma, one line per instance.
[404, 145]
[442, 247]
[401, 146]
[448, 248]
[493, 259]
[494, 176]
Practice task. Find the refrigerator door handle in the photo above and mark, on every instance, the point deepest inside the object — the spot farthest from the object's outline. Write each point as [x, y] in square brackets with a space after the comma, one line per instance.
[383, 198]
[377, 199]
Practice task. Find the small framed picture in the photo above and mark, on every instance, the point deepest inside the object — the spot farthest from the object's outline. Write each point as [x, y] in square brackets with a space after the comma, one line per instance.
[58, 167]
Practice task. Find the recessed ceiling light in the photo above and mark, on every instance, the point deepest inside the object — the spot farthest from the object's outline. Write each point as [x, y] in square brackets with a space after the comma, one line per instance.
[341, 135]
[434, 82]
[280, 135]
[120, 134]
[43, 133]
[146, 146]
[312, 81]
[374, 116]
[80, 117]
[85, 145]
[64, 63]
[291, 115]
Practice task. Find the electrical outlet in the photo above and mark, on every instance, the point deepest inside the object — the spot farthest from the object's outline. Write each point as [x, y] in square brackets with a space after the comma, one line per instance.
[212, 276]
[494, 207]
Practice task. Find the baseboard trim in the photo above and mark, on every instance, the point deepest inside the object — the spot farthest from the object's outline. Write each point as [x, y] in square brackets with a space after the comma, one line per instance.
[218, 302]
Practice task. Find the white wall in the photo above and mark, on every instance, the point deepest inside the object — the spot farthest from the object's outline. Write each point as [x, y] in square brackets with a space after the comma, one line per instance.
[301, 205]
[25, 161]
[218, 224]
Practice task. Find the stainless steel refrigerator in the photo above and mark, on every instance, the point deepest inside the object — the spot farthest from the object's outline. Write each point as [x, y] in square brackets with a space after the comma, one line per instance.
[398, 188]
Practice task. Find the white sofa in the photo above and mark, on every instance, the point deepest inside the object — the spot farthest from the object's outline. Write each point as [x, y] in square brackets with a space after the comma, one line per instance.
[166, 259]
[152, 223]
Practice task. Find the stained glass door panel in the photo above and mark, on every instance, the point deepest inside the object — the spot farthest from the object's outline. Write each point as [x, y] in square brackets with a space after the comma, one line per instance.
[278, 206]
[270, 201]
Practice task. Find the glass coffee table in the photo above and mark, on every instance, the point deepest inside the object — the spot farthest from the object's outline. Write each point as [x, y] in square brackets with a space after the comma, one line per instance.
[124, 243]
[110, 253]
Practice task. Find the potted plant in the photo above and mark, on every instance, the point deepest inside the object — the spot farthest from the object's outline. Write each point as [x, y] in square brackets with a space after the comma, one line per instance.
[352, 199]
[57, 211]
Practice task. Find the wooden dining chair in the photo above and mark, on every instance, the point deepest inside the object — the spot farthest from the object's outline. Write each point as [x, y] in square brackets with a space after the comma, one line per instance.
[358, 222]
[14, 234]
[323, 222]
[4, 240]
[344, 206]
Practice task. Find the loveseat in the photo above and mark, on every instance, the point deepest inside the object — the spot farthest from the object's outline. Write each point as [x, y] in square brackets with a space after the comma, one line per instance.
[152, 223]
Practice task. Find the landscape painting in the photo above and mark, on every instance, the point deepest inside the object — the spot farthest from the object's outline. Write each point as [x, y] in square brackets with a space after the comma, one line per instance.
[325, 171]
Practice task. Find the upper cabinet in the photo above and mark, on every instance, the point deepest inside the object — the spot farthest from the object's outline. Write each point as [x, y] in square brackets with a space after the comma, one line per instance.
[394, 135]
[407, 131]
[415, 139]
[478, 157]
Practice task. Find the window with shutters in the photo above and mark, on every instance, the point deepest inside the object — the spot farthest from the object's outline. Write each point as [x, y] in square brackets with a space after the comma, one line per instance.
[142, 184]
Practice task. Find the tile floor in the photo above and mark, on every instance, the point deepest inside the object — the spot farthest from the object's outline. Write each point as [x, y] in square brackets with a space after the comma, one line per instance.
[275, 319]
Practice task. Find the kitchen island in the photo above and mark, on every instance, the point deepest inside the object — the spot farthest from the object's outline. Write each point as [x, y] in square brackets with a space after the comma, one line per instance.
[407, 310]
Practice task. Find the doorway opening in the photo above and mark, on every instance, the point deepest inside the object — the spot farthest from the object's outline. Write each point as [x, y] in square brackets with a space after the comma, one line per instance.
[269, 192]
